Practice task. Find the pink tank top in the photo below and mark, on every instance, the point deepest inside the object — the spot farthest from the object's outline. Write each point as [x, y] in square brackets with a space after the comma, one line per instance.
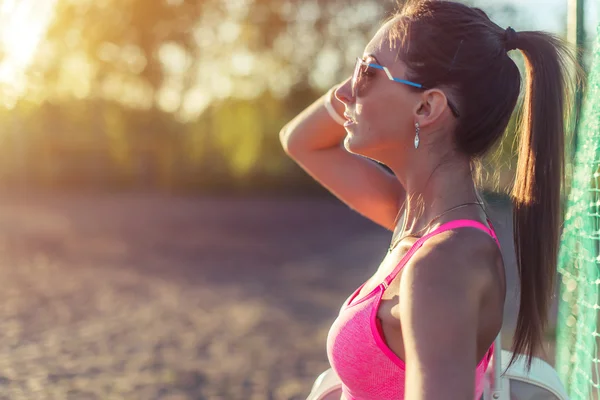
[356, 348]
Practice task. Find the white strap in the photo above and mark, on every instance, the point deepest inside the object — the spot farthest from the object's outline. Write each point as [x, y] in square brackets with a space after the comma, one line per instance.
[496, 384]
[330, 110]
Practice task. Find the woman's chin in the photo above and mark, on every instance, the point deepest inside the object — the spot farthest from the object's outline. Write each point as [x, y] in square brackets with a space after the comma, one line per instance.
[353, 144]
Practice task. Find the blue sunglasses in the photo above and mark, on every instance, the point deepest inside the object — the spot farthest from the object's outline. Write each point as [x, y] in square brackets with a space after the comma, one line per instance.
[361, 69]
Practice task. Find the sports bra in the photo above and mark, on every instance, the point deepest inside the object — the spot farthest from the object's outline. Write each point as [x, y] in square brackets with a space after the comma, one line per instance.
[356, 348]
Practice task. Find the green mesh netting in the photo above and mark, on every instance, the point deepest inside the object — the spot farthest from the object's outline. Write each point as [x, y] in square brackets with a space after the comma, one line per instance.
[579, 256]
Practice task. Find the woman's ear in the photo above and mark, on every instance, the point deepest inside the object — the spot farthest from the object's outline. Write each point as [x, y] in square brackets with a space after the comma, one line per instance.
[431, 107]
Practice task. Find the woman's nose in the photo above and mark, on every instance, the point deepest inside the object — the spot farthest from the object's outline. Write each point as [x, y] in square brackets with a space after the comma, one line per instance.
[344, 92]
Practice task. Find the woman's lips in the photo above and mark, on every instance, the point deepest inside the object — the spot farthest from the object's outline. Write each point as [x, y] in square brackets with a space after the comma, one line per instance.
[350, 119]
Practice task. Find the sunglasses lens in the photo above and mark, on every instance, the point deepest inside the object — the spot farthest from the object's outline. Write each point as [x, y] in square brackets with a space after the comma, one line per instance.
[356, 76]
[360, 71]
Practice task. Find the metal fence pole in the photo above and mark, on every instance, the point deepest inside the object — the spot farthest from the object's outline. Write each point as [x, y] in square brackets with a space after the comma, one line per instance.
[576, 36]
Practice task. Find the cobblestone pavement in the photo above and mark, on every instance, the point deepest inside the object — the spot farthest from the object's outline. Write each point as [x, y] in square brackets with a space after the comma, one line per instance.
[173, 298]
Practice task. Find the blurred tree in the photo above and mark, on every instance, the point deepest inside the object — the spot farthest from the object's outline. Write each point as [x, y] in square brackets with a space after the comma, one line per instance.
[121, 51]
[179, 92]
[117, 39]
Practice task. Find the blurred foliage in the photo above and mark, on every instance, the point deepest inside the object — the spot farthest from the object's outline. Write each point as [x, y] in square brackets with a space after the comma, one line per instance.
[183, 94]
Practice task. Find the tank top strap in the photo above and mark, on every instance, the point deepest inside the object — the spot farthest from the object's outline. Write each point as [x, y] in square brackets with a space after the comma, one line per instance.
[459, 223]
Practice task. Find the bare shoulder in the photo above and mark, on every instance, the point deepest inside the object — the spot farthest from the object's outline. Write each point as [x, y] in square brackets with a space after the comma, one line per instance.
[450, 282]
[461, 259]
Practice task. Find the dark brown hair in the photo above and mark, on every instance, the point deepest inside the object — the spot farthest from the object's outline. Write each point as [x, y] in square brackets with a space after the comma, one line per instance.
[451, 45]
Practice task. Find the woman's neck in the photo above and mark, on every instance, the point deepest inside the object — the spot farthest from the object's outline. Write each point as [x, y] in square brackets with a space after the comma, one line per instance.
[433, 193]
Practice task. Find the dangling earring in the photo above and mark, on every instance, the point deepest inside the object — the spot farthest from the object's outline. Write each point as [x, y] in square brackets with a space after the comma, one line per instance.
[417, 130]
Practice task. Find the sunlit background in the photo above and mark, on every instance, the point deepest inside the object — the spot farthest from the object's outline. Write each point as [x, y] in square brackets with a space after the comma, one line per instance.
[181, 95]
[156, 242]
[23, 26]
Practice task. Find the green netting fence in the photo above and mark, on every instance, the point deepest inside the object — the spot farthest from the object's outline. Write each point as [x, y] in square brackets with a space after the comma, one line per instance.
[579, 257]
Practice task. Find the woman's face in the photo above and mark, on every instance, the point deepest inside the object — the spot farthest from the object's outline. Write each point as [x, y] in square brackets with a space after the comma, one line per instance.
[382, 112]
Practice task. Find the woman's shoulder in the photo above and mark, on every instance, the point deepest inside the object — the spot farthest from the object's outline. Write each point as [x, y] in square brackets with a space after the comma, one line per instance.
[468, 258]
[446, 297]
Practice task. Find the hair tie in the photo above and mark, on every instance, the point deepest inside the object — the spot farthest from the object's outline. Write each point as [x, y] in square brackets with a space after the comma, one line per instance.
[510, 39]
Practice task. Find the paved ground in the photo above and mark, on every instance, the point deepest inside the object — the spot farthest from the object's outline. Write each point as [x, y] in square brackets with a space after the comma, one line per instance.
[154, 297]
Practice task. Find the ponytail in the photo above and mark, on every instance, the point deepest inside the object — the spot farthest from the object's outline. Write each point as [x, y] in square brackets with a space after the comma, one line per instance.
[540, 174]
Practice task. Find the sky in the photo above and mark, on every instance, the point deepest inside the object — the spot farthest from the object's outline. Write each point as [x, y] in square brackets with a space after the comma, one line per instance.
[23, 24]
[550, 15]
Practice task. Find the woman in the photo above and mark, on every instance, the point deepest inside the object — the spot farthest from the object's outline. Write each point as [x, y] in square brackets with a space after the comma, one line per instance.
[432, 94]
